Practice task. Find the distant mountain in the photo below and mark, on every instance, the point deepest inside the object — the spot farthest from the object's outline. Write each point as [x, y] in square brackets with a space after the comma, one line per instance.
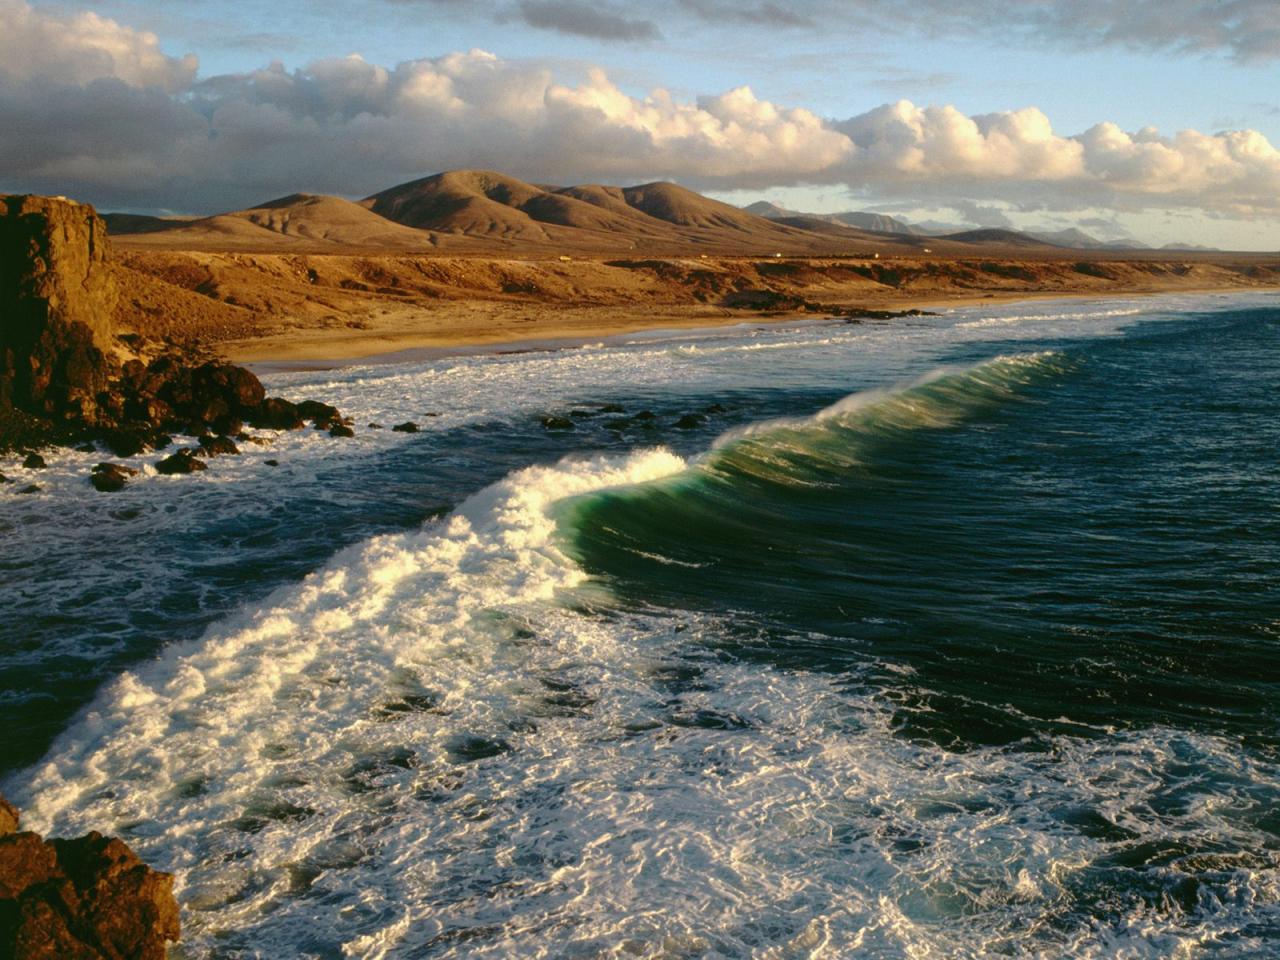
[1072, 237]
[1190, 247]
[296, 220]
[995, 235]
[473, 210]
[875, 222]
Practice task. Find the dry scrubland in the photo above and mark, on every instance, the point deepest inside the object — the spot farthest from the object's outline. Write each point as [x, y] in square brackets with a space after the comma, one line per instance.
[265, 306]
[477, 257]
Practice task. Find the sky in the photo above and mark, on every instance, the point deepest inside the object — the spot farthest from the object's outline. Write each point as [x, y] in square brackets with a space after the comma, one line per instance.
[1154, 120]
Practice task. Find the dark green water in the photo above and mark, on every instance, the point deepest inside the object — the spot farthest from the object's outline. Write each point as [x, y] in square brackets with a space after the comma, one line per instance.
[1085, 536]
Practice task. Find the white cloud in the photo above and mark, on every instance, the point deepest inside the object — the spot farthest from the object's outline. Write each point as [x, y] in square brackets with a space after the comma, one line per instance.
[36, 46]
[101, 112]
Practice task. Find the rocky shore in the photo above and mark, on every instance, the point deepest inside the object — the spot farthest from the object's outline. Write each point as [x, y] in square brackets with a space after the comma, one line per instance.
[68, 377]
[90, 898]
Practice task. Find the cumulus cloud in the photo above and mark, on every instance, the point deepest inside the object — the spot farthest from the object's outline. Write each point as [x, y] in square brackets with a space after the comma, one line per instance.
[36, 47]
[100, 112]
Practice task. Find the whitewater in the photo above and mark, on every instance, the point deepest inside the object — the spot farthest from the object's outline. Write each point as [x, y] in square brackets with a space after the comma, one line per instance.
[905, 651]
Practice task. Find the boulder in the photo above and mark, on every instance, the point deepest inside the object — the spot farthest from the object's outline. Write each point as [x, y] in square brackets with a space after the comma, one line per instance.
[341, 430]
[557, 423]
[111, 477]
[218, 446]
[57, 296]
[181, 462]
[321, 414]
[690, 421]
[34, 462]
[407, 427]
[85, 899]
[275, 413]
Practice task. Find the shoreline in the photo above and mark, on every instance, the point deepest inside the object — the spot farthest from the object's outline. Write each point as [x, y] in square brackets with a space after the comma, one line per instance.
[286, 354]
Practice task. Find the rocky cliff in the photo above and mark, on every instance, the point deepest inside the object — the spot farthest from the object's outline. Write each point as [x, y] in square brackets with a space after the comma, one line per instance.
[57, 300]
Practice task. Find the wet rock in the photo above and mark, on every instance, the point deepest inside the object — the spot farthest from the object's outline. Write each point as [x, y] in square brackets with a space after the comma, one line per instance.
[87, 448]
[407, 427]
[557, 423]
[341, 430]
[612, 408]
[85, 899]
[180, 463]
[375, 426]
[109, 478]
[129, 441]
[119, 468]
[321, 414]
[645, 415]
[34, 461]
[690, 421]
[30, 488]
[218, 446]
[272, 463]
[715, 408]
[276, 413]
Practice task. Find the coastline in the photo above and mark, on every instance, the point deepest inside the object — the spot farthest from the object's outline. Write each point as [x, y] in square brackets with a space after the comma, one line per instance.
[303, 350]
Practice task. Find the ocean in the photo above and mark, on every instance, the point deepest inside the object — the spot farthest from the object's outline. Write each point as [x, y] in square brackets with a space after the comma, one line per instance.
[953, 636]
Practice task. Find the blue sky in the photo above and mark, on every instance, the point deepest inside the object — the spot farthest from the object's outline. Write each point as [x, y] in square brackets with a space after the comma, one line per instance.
[1204, 65]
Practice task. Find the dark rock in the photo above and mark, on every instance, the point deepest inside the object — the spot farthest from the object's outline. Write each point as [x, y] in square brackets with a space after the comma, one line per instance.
[128, 441]
[321, 414]
[228, 425]
[87, 448]
[583, 414]
[715, 408]
[30, 488]
[375, 426]
[218, 446]
[341, 430]
[690, 421]
[407, 427]
[645, 415]
[275, 413]
[181, 462]
[612, 408]
[557, 423]
[272, 463]
[84, 899]
[4, 479]
[108, 481]
[34, 462]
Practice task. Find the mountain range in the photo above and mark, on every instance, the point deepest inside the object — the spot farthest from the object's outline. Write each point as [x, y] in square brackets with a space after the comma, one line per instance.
[483, 211]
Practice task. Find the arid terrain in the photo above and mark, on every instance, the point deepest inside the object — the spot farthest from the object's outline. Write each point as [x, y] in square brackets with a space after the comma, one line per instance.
[473, 257]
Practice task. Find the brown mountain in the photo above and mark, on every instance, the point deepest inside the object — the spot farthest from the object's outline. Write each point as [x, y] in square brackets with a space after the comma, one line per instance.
[297, 221]
[487, 211]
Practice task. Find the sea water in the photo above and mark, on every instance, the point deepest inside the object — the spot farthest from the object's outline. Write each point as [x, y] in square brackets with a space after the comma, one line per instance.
[951, 636]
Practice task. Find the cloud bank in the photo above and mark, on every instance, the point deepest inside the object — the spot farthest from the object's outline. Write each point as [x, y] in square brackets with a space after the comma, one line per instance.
[97, 110]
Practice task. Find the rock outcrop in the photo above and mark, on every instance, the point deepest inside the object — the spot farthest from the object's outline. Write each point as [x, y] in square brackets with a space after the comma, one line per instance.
[60, 379]
[57, 300]
[85, 899]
